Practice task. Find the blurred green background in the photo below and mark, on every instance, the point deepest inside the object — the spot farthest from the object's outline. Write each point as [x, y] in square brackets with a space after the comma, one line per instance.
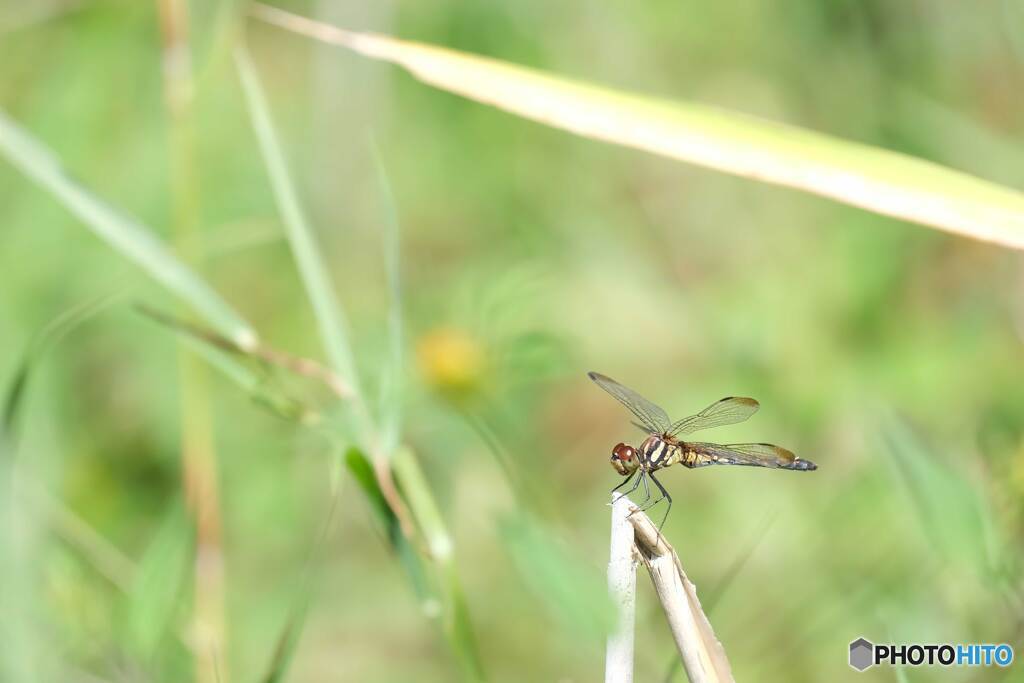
[888, 353]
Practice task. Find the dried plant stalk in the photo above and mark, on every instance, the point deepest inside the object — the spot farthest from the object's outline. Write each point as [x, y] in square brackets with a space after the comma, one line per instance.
[305, 367]
[703, 655]
[618, 665]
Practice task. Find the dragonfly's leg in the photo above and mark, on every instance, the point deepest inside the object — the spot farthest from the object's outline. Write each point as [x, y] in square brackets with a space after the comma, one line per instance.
[647, 489]
[648, 503]
[664, 494]
[635, 484]
[626, 481]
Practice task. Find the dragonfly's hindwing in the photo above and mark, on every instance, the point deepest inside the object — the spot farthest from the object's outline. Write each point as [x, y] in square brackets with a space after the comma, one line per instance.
[749, 454]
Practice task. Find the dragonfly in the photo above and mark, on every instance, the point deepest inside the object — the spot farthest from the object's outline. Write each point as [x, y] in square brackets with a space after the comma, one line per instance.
[663, 446]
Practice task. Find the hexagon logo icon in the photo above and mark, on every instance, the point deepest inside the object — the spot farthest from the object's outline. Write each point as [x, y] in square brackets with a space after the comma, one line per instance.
[861, 654]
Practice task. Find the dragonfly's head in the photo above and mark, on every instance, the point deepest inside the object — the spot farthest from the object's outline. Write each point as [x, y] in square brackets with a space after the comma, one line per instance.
[624, 459]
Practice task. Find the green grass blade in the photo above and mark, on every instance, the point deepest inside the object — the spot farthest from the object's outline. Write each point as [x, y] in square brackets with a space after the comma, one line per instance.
[435, 578]
[285, 648]
[576, 595]
[254, 376]
[458, 627]
[258, 385]
[160, 581]
[869, 177]
[362, 471]
[46, 337]
[330, 315]
[952, 512]
[15, 398]
[391, 386]
[133, 240]
[422, 505]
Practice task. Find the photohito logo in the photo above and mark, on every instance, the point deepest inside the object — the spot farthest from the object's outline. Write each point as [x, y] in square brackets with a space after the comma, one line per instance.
[865, 654]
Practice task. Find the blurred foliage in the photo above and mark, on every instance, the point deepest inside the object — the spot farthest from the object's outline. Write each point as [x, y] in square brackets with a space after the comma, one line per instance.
[528, 258]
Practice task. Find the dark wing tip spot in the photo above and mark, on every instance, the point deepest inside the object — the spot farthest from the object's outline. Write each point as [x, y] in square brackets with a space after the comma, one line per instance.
[784, 454]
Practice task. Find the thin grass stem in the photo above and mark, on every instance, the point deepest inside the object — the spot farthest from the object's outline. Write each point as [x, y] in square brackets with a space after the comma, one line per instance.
[200, 479]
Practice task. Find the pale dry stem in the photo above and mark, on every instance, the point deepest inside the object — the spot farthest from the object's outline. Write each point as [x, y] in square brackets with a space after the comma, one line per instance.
[703, 656]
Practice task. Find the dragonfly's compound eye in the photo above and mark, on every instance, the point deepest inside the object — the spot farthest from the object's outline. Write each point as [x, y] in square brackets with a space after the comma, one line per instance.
[624, 459]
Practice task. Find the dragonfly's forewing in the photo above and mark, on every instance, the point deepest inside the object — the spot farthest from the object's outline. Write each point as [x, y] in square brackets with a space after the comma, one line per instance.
[752, 454]
[645, 428]
[653, 419]
[725, 412]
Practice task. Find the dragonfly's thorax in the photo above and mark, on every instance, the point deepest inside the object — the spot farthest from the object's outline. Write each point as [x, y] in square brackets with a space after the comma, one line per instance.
[658, 451]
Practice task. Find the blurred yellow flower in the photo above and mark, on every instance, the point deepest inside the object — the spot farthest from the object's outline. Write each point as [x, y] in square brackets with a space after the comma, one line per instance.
[450, 359]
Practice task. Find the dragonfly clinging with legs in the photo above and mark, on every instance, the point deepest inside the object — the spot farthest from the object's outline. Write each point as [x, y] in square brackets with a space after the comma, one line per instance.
[663, 448]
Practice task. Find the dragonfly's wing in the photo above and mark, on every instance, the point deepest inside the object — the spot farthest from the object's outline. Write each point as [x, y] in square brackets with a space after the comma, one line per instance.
[725, 412]
[753, 454]
[653, 418]
[644, 428]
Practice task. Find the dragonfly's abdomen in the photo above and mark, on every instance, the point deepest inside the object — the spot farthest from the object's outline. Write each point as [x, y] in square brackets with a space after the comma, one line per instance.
[692, 458]
[657, 453]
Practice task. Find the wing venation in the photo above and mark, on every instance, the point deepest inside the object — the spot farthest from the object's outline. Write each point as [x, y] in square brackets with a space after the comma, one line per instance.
[727, 411]
[752, 454]
[654, 420]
